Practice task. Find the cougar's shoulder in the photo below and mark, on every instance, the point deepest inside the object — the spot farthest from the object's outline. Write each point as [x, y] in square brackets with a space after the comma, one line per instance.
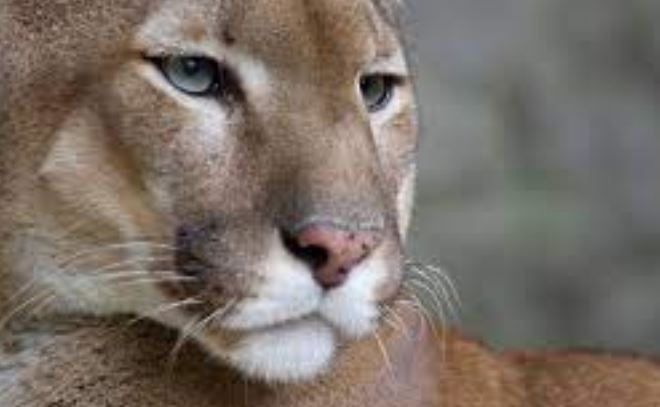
[588, 377]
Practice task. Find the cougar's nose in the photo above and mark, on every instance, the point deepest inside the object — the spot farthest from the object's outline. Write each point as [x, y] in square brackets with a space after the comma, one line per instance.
[331, 252]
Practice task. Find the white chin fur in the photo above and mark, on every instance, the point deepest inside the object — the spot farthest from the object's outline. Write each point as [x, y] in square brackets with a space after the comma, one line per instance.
[290, 353]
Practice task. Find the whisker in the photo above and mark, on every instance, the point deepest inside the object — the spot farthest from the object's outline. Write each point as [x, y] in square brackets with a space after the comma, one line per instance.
[431, 318]
[417, 304]
[442, 338]
[119, 275]
[164, 309]
[440, 286]
[171, 359]
[409, 303]
[398, 320]
[384, 353]
[35, 299]
[42, 304]
[443, 275]
[57, 239]
[394, 320]
[219, 313]
[195, 327]
[435, 308]
[450, 283]
[126, 262]
[435, 298]
[144, 281]
[111, 247]
[26, 288]
[421, 313]
[387, 320]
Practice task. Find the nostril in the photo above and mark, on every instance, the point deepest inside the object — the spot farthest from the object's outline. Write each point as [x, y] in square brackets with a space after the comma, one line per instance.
[314, 256]
[331, 252]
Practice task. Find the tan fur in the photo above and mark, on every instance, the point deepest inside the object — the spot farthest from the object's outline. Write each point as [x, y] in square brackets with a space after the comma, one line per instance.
[112, 365]
[103, 165]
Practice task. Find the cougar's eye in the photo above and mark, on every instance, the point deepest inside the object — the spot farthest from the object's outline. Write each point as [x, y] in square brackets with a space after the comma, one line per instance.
[198, 76]
[377, 91]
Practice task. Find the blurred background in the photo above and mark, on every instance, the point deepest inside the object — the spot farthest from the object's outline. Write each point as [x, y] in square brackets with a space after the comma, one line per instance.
[539, 190]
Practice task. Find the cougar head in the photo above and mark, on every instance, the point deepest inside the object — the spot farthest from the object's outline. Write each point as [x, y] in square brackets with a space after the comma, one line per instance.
[240, 170]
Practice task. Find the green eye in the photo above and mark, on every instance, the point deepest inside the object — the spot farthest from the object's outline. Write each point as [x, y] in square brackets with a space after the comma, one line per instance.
[197, 76]
[377, 91]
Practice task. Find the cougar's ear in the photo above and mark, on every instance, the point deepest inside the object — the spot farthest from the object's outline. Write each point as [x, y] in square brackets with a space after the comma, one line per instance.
[87, 175]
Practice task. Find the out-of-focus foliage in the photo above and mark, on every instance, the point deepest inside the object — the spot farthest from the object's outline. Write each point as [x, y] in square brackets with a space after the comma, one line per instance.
[540, 166]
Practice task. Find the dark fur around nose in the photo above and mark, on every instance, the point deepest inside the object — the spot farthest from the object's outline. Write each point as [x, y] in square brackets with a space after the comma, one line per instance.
[330, 251]
[187, 262]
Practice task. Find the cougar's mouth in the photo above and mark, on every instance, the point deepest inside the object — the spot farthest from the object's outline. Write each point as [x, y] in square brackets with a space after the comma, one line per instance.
[285, 325]
[285, 294]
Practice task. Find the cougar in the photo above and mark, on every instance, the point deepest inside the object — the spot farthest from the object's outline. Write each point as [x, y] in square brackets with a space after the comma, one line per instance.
[241, 172]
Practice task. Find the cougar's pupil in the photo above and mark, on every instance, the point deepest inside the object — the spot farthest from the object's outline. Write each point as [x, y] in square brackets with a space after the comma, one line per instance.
[197, 76]
[190, 66]
[376, 91]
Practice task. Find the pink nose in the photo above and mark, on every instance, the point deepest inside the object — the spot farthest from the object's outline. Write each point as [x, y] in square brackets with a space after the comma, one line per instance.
[332, 252]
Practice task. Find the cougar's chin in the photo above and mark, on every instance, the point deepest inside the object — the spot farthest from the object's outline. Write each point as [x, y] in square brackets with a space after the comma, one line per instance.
[292, 352]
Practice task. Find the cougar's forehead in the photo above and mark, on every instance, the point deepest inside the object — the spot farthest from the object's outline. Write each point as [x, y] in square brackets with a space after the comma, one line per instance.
[298, 37]
[311, 36]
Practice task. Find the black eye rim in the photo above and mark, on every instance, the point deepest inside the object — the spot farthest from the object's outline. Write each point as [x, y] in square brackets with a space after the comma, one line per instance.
[390, 81]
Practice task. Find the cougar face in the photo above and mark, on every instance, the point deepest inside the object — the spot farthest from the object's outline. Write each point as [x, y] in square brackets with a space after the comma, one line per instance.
[240, 170]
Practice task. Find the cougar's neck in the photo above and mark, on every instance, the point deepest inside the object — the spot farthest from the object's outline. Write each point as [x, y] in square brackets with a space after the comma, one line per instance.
[411, 365]
[398, 366]
[416, 364]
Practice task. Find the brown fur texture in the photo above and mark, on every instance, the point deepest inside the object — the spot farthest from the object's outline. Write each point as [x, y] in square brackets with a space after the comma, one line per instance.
[106, 364]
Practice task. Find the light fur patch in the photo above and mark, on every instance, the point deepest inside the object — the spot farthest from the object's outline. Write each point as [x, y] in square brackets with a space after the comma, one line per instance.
[294, 352]
[405, 201]
[286, 291]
